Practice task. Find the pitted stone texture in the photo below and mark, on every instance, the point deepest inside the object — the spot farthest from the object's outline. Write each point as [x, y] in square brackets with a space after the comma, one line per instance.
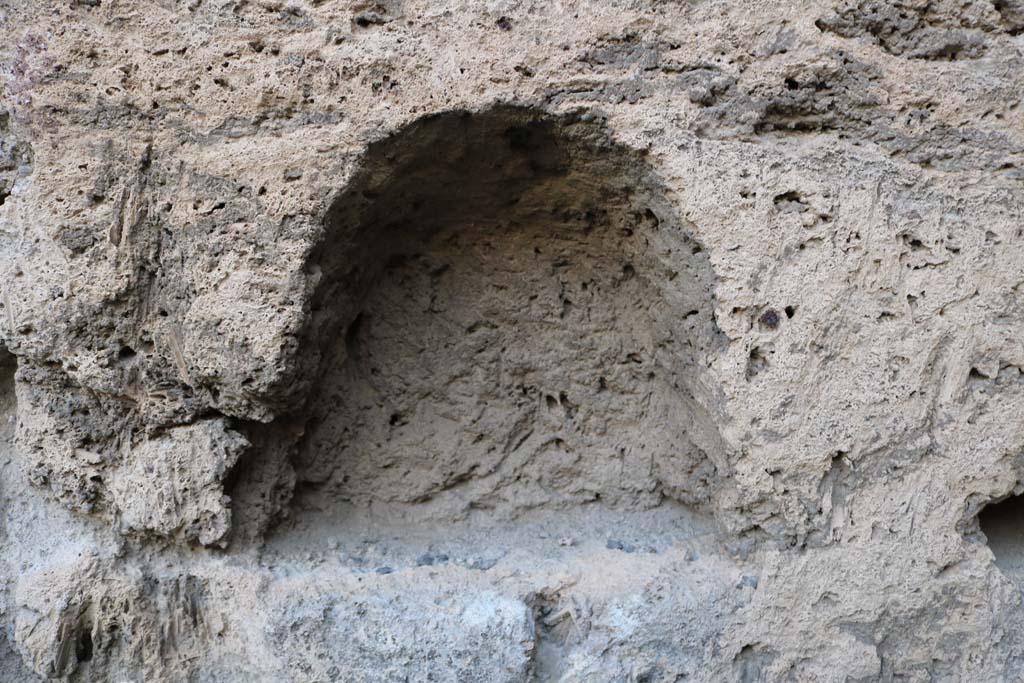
[86, 451]
[852, 172]
[172, 484]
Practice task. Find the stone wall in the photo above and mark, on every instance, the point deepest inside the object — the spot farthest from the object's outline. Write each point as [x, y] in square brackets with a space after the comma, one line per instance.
[511, 341]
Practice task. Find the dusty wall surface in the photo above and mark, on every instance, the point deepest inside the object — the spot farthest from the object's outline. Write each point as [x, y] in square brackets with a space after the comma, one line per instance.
[511, 341]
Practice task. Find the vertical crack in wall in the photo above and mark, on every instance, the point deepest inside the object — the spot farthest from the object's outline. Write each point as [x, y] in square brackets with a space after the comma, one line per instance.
[9, 659]
[11, 665]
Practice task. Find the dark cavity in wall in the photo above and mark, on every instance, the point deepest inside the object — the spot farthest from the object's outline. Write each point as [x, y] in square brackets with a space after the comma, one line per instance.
[508, 315]
[1003, 526]
[8, 404]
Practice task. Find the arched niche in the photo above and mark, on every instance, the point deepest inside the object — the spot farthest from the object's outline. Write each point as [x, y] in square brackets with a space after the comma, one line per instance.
[508, 315]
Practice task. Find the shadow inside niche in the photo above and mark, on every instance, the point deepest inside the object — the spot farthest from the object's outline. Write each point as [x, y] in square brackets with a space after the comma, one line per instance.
[509, 317]
[8, 401]
[1003, 526]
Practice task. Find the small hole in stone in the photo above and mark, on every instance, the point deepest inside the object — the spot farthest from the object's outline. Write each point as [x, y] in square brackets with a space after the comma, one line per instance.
[757, 361]
[83, 648]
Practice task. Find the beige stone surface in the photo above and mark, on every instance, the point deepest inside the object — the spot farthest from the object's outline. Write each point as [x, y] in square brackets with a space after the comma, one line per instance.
[410, 340]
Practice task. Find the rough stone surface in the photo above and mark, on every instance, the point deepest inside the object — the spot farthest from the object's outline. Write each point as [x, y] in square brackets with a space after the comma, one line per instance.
[408, 340]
